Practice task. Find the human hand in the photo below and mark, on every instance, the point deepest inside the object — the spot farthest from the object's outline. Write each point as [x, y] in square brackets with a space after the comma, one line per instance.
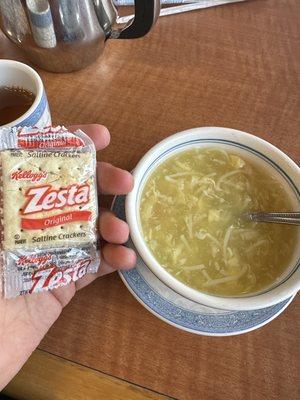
[26, 319]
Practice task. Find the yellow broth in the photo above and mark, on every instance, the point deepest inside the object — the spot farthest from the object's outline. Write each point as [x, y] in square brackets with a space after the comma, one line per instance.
[191, 216]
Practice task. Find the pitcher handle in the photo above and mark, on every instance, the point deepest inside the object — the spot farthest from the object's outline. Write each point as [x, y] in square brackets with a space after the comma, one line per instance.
[146, 14]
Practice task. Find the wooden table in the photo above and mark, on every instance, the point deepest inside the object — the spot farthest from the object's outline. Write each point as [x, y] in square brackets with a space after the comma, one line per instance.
[236, 66]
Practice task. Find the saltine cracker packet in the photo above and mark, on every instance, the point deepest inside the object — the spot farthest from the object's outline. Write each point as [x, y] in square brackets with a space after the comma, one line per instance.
[48, 210]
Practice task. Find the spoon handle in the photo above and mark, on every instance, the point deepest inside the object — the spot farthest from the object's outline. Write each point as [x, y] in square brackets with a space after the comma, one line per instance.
[291, 218]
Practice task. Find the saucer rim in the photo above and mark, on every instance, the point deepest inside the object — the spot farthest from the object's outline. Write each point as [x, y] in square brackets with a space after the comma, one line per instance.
[181, 327]
[198, 332]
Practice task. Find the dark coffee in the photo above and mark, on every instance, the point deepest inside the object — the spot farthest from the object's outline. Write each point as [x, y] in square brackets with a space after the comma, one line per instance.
[14, 102]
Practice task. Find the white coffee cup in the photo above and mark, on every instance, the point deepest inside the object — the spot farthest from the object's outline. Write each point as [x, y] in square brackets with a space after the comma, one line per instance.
[16, 74]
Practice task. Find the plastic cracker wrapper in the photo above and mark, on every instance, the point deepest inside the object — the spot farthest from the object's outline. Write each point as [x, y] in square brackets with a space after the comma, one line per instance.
[48, 210]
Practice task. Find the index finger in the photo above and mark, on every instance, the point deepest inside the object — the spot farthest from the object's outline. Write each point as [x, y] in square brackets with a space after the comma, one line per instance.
[98, 133]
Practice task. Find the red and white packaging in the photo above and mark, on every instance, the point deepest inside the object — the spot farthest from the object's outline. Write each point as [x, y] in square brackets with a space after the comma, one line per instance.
[48, 209]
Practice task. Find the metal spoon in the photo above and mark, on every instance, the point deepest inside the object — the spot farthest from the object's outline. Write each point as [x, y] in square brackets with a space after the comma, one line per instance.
[290, 218]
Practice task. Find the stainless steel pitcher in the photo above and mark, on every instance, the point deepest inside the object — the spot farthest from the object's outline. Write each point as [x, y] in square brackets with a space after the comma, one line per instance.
[67, 35]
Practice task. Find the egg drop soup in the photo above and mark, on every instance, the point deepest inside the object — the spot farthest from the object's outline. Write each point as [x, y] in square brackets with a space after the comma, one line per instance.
[191, 215]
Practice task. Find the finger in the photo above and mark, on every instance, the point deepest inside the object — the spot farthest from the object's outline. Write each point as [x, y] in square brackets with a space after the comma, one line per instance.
[113, 229]
[98, 133]
[64, 294]
[118, 256]
[104, 269]
[113, 180]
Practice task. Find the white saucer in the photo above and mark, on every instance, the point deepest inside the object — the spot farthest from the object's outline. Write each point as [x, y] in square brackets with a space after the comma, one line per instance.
[184, 314]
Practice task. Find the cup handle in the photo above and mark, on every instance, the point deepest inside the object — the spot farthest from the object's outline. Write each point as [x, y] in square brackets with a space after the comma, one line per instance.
[146, 14]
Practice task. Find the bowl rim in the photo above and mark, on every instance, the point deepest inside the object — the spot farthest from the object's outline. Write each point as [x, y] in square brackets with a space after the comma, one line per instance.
[274, 295]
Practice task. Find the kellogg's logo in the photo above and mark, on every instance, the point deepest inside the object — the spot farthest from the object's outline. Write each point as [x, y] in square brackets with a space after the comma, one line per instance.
[41, 260]
[29, 176]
